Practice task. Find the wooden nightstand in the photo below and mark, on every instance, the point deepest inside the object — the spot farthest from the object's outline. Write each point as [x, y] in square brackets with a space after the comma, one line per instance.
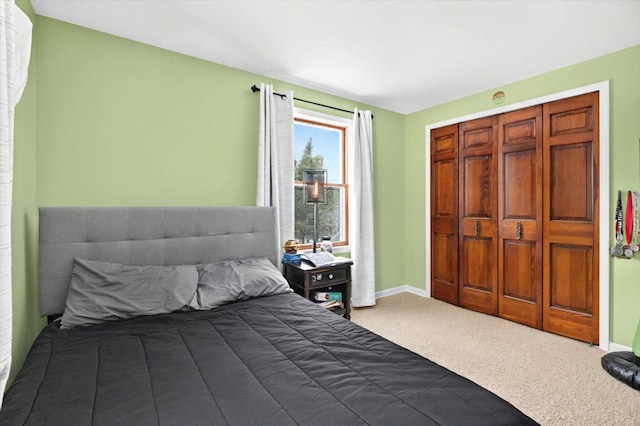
[305, 279]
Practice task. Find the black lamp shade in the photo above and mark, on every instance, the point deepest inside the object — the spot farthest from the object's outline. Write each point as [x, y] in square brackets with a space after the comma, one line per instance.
[314, 186]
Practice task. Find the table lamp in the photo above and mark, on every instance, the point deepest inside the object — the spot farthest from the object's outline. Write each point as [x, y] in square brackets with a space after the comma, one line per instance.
[314, 193]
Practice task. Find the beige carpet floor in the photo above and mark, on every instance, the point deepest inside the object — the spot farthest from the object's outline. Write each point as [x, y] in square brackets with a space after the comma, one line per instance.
[552, 379]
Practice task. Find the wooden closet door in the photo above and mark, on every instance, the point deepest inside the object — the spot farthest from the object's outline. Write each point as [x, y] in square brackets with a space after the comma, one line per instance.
[571, 225]
[520, 216]
[478, 215]
[444, 213]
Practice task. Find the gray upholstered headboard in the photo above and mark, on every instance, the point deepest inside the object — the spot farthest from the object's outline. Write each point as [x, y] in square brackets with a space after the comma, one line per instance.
[146, 236]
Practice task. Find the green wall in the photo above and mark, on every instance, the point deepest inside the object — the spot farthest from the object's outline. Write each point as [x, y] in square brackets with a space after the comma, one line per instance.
[123, 123]
[26, 321]
[622, 69]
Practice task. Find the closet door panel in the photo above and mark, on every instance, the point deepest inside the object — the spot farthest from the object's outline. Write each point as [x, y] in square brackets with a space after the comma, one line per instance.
[478, 257]
[478, 192]
[571, 286]
[444, 213]
[445, 174]
[571, 237]
[571, 178]
[520, 216]
[571, 291]
[519, 276]
[478, 212]
[444, 267]
[521, 187]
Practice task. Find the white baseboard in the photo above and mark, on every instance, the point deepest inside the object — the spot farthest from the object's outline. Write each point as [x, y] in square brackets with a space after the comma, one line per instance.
[613, 347]
[400, 289]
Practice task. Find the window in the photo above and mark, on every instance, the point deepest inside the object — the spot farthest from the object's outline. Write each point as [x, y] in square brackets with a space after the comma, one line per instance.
[320, 142]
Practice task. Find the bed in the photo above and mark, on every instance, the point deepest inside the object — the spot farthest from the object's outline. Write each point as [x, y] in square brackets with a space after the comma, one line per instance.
[262, 356]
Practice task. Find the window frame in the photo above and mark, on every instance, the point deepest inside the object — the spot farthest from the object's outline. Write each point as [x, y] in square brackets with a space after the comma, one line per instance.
[344, 125]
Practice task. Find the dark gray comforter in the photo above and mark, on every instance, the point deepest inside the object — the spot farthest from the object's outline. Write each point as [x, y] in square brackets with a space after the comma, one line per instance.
[274, 360]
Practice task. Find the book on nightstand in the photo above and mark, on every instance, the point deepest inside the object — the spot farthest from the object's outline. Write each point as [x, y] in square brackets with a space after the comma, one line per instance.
[322, 296]
[292, 258]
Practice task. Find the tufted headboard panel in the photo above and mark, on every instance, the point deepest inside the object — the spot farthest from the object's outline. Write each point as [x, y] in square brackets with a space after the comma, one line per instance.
[146, 236]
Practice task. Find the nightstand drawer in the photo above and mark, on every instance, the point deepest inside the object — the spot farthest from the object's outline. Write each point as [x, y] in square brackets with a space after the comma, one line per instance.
[326, 277]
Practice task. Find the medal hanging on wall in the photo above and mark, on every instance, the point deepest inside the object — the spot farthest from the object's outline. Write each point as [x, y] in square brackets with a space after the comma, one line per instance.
[628, 226]
[617, 249]
[635, 233]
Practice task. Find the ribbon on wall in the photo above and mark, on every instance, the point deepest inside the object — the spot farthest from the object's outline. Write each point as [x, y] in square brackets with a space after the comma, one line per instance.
[627, 226]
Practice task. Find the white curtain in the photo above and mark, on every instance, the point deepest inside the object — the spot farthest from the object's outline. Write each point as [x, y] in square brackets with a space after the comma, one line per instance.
[275, 160]
[15, 49]
[363, 274]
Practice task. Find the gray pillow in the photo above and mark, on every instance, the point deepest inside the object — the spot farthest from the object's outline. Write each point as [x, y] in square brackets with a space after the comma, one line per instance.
[233, 280]
[103, 291]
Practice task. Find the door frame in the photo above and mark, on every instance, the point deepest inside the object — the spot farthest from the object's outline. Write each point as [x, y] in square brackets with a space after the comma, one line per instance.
[604, 179]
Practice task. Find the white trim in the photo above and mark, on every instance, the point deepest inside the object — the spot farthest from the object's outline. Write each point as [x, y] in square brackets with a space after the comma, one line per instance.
[322, 117]
[614, 347]
[336, 250]
[604, 178]
[400, 289]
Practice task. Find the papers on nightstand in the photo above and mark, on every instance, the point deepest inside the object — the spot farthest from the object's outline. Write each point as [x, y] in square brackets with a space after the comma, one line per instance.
[331, 304]
[319, 259]
[323, 258]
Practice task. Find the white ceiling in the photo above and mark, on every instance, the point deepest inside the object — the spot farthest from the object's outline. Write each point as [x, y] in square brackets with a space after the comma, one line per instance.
[399, 55]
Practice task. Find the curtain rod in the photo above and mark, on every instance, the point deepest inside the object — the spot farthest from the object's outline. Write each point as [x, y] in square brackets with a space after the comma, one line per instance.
[255, 89]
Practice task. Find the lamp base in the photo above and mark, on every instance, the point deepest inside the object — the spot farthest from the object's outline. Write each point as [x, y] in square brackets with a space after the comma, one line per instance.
[315, 226]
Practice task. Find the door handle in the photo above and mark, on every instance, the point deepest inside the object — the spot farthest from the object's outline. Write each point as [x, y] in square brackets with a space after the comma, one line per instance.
[477, 228]
[519, 230]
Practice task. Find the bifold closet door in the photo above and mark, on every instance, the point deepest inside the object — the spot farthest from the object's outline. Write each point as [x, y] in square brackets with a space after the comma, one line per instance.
[515, 219]
[571, 225]
[444, 213]
[478, 207]
[520, 216]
